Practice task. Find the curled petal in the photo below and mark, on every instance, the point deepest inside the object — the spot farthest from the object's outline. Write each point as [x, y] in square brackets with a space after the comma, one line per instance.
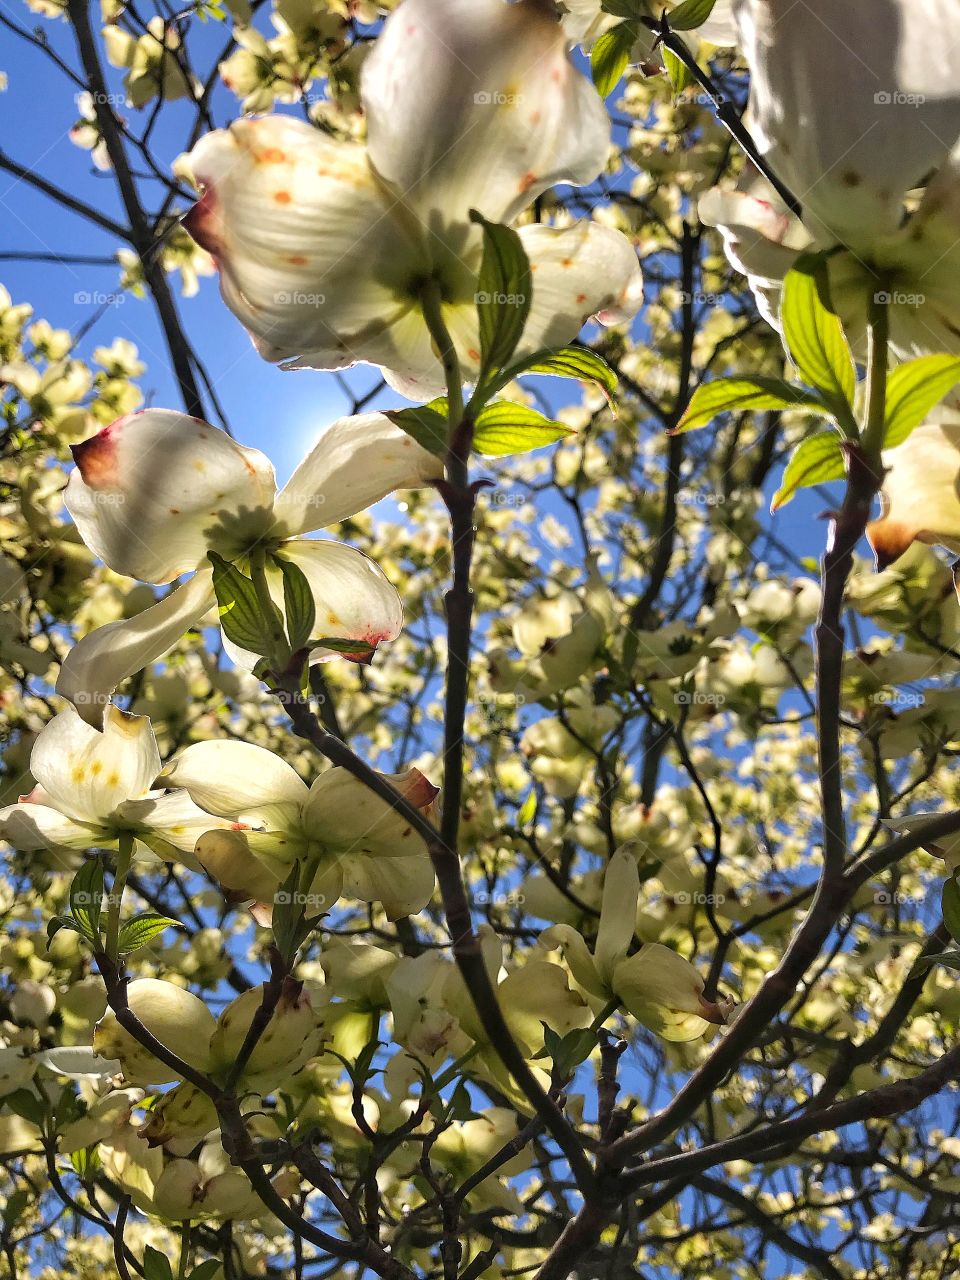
[475, 104]
[88, 774]
[28, 827]
[921, 493]
[900, 104]
[153, 491]
[311, 260]
[230, 778]
[618, 912]
[354, 464]
[401, 885]
[94, 667]
[582, 271]
[346, 815]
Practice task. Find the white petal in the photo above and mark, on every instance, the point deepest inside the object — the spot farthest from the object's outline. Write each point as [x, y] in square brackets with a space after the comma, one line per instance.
[229, 778]
[153, 491]
[920, 492]
[761, 237]
[582, 271]
[618, 912]
[27, 827]
[475, 104]
[354, 600]
[311, 261]
[852, 104]
[78, 1063]
[402, 886]
[171, 824]
[94, 667]
[354, 464]
[344, 814]
[87, 774]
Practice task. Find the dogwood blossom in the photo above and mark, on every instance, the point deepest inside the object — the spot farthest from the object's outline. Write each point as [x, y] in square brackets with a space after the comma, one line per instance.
[324, 247]
[659, 987]
[94, 786]
[154, 492]
[919, 494]
[856, 170]
[359, 845]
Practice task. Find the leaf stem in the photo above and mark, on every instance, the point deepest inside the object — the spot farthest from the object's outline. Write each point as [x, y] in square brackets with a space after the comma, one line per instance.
[124, 859]
[431, 300]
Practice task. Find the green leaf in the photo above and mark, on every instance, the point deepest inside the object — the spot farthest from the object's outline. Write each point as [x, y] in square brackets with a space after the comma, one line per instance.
[912, 391]
[815, 460]
[298, 603]
[680, 76]
[206, 1270]
[353, 650]
[527, 811]
[690, 14]
[726, 395]
[240, 613]
[503, 427]
[504, 292]
[951, 959]
[575, 1047]
[141, 929]
[623, 8]
[16, 1203]
[427, 424]
[815, 340]
[26, 1104]
[86, 899]
[610, 56]
[950, 903]
[577, 362]
[156, 1265]
[289, 923]
[56, 923]
[85, 1162]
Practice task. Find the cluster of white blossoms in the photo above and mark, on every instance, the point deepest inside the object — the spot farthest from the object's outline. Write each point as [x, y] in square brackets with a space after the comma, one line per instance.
[325, 250]
[879, 184]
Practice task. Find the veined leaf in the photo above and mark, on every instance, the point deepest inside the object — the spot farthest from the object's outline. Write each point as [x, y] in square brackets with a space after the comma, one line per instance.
[427, 424]
[503, 428]
[912, 391]
[298, 603]
[86, 899]
[690, 14]
[504, 292]
[815, 460]
[577, 362]
[140, 930]
[353, 650]
[610, 56]
[680, 75]
[815, 341]
[725, 395]
[240, 614]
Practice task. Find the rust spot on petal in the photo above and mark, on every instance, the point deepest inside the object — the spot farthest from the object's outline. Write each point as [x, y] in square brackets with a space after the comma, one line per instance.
[204, 224]
[282, 197]
[96, 458]
[889, 539]
[527, 181]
